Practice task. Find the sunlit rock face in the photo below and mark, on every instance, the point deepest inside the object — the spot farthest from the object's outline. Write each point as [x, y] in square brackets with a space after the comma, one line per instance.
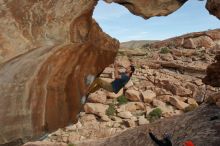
[214, 7]
[51, 48]
[149, 8]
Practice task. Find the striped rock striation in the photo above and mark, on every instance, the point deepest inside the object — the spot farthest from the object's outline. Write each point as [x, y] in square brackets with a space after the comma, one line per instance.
[50, 48]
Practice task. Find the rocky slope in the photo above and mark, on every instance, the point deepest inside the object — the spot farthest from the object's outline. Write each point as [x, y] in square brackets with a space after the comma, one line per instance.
[49, 50]
[160, 83]
[134, 44]
[204, 131]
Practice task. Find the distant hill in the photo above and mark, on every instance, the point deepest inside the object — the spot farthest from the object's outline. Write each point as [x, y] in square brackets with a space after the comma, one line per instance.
[207, 39]
[135, 44]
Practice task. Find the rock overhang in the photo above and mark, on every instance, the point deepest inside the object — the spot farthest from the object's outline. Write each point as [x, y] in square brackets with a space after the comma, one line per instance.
[51, 46]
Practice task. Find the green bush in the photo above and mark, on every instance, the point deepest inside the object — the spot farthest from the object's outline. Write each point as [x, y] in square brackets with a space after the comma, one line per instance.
[155, 114]
[164, 50]
[122, 100]
[111, 110]
[71, 144]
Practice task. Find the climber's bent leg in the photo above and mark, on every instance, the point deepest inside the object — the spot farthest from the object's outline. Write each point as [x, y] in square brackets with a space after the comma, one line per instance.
[100, 83]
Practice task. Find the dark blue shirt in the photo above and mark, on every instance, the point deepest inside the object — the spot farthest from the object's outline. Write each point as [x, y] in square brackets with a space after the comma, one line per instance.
[117, 84]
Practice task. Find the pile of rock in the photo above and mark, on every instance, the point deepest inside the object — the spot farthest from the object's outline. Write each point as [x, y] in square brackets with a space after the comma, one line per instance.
[167, 82]
[149, 95]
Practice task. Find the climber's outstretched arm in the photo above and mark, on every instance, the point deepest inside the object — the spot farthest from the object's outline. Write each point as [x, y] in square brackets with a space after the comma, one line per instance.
[117, 76]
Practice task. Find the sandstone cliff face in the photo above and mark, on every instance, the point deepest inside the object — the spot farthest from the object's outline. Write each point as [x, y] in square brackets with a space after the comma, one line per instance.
[50, 47]
[41, 89]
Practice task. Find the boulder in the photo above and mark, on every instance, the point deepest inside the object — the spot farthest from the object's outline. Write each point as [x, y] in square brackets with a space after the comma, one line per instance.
[148, 96]
[133, 95]
[163, 106]
[73, 137]
[116, 119]
[142, 120]
[112, 95]
[177, 103]
[105, 118]
[97, 97]
[164, 98]
[192, 101]
[131, 107]
[87, 118]
[95, 108]
[179, 90]
[174, 87]
[125, 115]
[129, 123]
[166, 57]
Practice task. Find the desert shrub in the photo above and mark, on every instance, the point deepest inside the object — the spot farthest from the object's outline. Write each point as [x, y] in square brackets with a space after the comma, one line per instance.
[154, 115]
[71, 144]
[164, 50]
[122, 100]
[189, 108]
[111, 110]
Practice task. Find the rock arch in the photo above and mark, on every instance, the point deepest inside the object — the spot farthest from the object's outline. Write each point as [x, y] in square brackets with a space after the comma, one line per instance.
[48, 49]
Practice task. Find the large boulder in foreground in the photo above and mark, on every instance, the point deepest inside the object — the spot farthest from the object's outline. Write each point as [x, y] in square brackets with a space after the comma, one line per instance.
[57, 46]
[202, 126]
[50, 49]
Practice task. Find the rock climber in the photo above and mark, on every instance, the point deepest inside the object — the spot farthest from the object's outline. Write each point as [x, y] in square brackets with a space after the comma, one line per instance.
[115, 86]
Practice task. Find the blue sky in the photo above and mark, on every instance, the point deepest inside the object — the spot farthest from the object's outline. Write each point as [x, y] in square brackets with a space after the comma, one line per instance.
[118, 22]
